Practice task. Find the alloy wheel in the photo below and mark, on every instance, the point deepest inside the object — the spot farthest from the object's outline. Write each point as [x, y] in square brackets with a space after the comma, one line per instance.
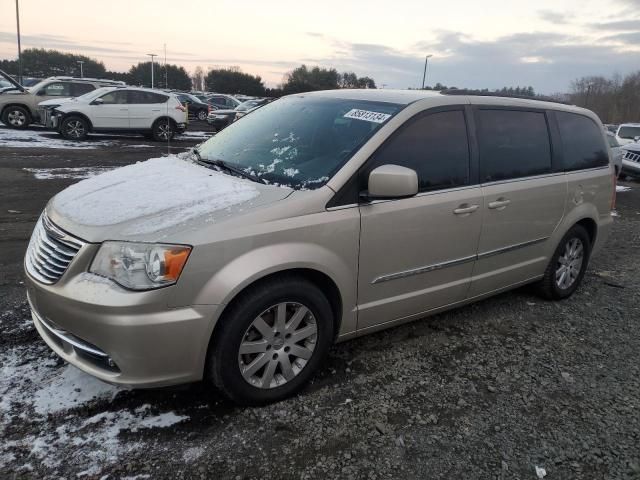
[277, 345]
[17, 118]
[75, 129]
[164, 131]
[570, 263]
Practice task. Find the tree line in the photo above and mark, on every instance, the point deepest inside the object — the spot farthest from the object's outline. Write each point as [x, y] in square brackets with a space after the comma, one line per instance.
[615, 99]
[43, 63]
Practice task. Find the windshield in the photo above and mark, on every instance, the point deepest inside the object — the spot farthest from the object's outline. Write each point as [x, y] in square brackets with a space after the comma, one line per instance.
[298, 141]
[629, 132]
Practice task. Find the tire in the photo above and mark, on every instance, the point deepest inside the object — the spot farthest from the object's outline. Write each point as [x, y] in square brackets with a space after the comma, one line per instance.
[555, 286]
[16, 117]
[279, 372]
[202, 115]
[163, 130]
[74, 127]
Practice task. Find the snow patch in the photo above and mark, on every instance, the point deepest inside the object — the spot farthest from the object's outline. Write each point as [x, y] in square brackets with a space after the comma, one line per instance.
[192, 454]
[70, 172]
[45, 139]
[622, 188]
[167, 191]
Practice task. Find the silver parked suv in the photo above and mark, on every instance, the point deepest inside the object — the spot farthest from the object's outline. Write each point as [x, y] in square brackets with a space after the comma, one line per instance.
[317, 218]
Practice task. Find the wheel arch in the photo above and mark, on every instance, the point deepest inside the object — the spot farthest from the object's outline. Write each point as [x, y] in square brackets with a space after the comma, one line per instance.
[164, 117]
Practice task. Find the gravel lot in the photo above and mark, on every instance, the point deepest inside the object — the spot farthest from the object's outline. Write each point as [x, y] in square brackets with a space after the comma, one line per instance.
[509, 388]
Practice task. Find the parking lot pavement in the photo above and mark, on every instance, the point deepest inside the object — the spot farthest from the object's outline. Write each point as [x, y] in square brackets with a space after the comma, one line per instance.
[501, 389]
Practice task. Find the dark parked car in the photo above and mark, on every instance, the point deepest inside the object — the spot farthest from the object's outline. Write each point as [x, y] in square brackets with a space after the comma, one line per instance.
[197, 108]
[221, 101]
[222, 118]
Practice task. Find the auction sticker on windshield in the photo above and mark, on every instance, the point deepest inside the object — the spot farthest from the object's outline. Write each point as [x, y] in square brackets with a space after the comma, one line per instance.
[367, 116]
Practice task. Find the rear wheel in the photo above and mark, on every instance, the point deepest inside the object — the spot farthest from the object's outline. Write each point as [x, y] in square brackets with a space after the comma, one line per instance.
[16, 117]
[163, 130]
[74, 128]
[567, 266]
[202, 115]
[271, 341]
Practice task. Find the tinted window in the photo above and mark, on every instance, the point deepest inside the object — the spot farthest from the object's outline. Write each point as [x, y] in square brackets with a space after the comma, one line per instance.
[435, 146]
[115, 97]
[78, 89]
[582, 142]
[58, 89]
[139, 97]
[512, 144]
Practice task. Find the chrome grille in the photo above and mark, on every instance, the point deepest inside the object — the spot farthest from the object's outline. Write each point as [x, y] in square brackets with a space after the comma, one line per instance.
[50, 252]
[632, 156]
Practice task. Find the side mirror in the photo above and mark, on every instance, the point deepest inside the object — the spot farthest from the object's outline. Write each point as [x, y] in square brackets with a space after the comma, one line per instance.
[97, 101]
[391, 181]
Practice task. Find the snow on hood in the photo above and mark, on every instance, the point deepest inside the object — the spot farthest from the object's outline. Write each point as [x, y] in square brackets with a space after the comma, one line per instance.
[158, 193]
[55, 101]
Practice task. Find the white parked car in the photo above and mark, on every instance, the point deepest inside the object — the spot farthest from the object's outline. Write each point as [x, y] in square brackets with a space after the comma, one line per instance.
[117, 109]
[627, 133]
[616, 152]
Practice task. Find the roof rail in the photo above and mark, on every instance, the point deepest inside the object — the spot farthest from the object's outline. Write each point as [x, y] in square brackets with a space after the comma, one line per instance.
[87, 79]
[474, 93]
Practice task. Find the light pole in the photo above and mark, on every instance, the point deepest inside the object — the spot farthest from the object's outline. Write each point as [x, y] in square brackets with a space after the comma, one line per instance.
[424, 75]
[81, 72]
[152, 55]
[19, 47]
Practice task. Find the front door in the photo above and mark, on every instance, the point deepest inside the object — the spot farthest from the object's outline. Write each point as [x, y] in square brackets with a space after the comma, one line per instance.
[524, 200]
[113, 112]
[418, 253]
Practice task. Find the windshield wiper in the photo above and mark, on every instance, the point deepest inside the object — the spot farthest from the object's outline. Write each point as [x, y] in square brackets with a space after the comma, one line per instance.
[222, 165]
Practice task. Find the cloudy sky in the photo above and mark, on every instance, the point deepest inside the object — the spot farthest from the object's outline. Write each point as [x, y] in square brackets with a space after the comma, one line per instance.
[475, 44]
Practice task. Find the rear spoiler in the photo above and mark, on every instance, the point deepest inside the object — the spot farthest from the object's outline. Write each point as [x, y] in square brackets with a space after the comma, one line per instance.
[12, 81]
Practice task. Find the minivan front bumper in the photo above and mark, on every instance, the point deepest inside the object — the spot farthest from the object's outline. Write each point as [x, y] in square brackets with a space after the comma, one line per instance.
[125, 338]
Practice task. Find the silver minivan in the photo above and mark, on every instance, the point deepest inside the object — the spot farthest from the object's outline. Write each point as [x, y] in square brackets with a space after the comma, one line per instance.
[317, 218]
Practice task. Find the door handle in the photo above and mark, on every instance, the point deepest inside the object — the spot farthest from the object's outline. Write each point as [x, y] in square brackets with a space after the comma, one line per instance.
[465, 208]
[124, 109]
[499, 203]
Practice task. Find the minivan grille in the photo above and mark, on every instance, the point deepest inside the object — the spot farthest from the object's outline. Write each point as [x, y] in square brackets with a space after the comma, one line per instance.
[50, 252]
[633, 156]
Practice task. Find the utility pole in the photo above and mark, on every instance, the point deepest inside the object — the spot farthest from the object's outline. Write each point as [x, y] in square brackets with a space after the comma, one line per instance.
[424, 75]
[152, 55]
[19, 47]
[81, 72]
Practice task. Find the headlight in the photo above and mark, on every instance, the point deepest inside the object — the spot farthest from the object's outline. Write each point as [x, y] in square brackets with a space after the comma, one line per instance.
[140, 266]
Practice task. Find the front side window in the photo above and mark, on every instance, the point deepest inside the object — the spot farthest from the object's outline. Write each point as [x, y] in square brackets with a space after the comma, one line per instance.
[299, 141]
[57, 89]
[513, 144]
[582, 142]
[115, 97]
[435, 146]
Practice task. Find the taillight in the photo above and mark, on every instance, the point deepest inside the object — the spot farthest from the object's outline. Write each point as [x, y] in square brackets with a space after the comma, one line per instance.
[209, 108]
[181, 108]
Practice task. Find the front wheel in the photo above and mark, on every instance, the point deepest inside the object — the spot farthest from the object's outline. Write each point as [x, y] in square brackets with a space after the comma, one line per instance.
[16, 117]
[202, 115]
[271, 341]
[163, 130]
[567, 266]
[74, 128]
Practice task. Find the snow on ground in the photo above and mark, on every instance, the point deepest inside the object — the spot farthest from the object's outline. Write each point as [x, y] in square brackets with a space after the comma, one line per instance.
[190, 134]
[166, 191]
[35, 387]
[45, 139]
[622, 188]
[69, 172]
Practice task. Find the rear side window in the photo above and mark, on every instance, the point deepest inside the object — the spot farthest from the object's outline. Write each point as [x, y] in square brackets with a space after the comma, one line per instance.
[582, 142]
[58, 89]
[139, 97]
[435, 146]
[512, 144]
[78, 89]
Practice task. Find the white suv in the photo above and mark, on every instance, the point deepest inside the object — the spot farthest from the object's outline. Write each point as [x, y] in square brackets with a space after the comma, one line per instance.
[116, 109]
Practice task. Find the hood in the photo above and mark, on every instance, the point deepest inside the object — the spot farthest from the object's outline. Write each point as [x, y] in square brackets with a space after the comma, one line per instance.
[631, 145]
[153, 200]
[55, 102]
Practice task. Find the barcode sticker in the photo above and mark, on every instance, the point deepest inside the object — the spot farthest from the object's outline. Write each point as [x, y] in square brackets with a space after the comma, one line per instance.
[367, 116]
